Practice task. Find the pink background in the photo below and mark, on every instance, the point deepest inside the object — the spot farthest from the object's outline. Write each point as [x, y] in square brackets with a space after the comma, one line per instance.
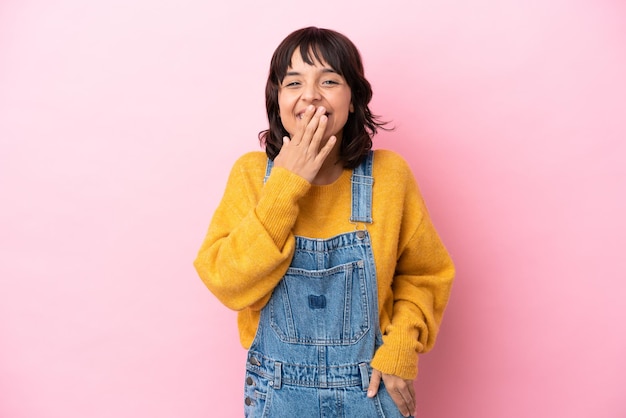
[119, 121]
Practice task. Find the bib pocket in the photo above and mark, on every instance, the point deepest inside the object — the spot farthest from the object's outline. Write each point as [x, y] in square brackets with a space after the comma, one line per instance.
[321, 307]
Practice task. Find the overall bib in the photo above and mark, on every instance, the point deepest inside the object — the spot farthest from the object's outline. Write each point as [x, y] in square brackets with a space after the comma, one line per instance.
[319, 331]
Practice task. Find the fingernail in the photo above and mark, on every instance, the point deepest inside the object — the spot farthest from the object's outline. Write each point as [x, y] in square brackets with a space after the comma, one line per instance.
[370, 393]
[310, 107]
[321, 109]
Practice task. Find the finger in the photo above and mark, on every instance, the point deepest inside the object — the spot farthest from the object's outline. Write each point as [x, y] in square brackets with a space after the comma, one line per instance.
[308, 114]
[409, 399]
[312, 126]
[302, 124]
[407, 392]
[287, 141]
[412, 393]
[318, 135]
[372, 390]
[400, 402]
[401, 391]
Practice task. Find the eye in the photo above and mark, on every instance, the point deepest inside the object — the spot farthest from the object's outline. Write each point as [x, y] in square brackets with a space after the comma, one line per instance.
[291, 84]
[330, 82]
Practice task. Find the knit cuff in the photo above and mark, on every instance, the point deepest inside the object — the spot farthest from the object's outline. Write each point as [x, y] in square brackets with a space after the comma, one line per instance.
[397, 356]
[278, 207]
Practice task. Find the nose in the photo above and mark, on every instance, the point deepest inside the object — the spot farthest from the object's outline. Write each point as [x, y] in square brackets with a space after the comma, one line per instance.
[311, 93]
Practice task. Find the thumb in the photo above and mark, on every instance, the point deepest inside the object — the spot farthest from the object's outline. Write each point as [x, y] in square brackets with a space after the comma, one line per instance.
[372, 390]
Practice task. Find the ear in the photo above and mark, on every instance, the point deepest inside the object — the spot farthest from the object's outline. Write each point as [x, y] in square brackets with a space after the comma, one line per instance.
[351, 108]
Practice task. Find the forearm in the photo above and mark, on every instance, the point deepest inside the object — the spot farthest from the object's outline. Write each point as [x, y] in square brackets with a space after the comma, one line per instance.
[242, 267]
[250, 244]
[420, 292]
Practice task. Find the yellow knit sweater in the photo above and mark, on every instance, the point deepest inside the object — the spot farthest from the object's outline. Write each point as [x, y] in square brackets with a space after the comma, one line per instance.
[250, 243]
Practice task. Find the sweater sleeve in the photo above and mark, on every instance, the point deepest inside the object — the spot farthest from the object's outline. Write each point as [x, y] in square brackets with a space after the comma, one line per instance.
[249, 244]
[421, 288]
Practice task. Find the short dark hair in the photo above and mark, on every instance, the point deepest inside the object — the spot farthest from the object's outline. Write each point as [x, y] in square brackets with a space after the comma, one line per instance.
[344, 57]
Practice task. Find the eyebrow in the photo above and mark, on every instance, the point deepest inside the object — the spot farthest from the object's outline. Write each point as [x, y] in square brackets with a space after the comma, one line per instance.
[324, 70]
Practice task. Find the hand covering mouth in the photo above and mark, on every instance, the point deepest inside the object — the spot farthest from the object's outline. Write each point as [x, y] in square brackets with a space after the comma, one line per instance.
[299, 115]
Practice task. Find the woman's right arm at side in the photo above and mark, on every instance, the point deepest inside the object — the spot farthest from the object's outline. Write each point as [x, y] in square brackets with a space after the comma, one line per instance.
[249, 244]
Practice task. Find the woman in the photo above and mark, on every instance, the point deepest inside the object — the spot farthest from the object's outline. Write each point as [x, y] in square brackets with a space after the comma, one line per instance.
[326, 248]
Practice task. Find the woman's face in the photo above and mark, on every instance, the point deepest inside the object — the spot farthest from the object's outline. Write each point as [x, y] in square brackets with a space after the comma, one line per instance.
[318, 85]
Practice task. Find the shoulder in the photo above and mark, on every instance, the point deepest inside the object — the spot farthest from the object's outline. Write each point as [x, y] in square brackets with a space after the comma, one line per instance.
[254, 159]
[248, 170]
[389, 163]
[251, 164]
[396, 187]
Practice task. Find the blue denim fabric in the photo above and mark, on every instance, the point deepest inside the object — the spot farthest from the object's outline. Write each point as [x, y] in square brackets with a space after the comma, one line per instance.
[320, 329]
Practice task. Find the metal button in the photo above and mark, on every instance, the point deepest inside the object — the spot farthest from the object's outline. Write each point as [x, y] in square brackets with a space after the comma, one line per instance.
[248, 401]
[360, 234]
[254, 361]
[249, 381]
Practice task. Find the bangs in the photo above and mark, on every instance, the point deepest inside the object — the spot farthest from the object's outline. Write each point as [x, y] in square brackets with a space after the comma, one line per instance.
[315, 47]
[318, 52]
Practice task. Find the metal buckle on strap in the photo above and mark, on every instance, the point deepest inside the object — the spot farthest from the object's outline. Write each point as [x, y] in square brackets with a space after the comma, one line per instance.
[365, 377]
[360, 233]
[278, 375]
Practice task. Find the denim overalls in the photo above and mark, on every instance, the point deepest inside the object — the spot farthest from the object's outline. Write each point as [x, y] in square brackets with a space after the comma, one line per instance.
[318, 332]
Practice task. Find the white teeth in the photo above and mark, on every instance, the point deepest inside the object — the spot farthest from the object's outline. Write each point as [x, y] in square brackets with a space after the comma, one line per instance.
[301, 115]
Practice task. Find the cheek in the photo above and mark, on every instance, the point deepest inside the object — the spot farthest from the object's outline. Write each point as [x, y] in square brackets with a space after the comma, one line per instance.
[281, 102]
[285, 118]
[342, 117]
[285, 97]
[284, 108]
[337, 125]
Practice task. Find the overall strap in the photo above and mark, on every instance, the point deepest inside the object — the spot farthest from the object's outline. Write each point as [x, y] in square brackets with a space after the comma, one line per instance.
[268, 169]
[362, 182]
